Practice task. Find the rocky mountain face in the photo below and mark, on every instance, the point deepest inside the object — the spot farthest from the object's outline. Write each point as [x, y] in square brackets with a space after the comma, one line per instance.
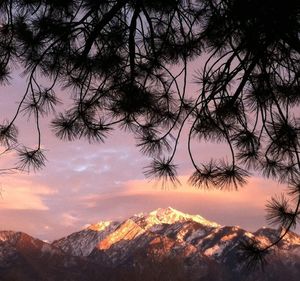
[24, 258]
[162, 245]
[83, 242]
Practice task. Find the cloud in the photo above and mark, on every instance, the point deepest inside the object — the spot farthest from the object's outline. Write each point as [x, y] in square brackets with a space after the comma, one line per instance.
[245, 207]
[69, 219]
[23, 193]
[257, 188]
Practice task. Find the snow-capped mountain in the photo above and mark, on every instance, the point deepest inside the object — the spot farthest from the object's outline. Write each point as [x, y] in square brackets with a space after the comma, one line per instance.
[142, 230]
[83, 242]
[169, 216]
[162, 245]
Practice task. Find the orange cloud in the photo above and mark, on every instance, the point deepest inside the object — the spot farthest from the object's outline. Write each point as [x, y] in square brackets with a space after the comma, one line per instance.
[245, 207]
[254, 193]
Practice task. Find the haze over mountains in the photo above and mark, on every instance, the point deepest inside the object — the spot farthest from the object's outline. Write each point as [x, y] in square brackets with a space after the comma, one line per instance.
[162, 245]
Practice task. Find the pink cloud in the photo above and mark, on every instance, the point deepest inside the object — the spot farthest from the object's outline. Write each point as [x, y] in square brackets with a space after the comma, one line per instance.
[69, 219]
[245, 207]
[22, 193]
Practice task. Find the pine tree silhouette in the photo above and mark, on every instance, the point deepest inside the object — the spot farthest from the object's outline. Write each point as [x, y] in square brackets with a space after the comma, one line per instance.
[117, 57]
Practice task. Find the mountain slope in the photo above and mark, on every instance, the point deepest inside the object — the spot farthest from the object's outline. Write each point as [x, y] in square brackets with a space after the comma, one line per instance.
[195, 245]
[82, 243]
[163, 245]
[24, 258]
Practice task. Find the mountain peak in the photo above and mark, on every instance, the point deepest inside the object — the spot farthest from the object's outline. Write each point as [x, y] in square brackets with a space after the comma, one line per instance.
[170, 215]
[164, 240]
[167, 210]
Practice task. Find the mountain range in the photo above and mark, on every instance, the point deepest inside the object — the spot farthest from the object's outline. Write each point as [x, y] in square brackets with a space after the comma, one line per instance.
[163, 245]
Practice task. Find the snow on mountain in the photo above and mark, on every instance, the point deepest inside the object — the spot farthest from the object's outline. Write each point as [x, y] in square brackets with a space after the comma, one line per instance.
[107, 240]
[159, 246]
[195, 243]
[272, 235]
[180, 230]
[105, 234]
[82, 243]
[170, 216]
[160, 220]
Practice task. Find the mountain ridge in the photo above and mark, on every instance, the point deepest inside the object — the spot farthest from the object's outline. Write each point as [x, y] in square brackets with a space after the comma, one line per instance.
[152, 246]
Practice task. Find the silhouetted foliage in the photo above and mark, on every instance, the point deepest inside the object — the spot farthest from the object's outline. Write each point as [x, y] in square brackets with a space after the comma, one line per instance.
[253, 254]
[125, 63]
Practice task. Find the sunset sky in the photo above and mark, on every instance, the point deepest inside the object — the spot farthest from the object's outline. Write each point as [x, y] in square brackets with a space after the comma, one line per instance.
[84, 183]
